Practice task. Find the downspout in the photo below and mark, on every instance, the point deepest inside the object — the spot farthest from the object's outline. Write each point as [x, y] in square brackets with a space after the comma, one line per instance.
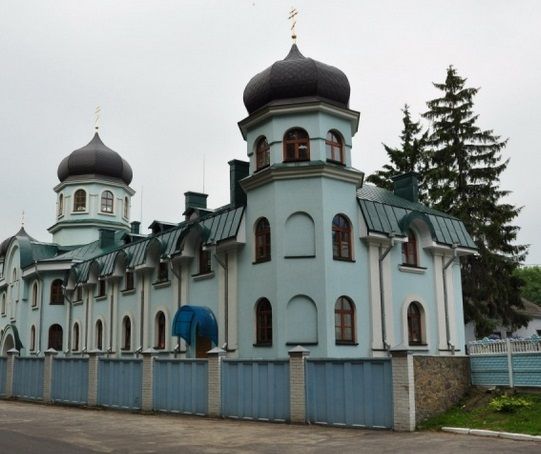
[445, 298]
[225, 266]
[69, 315]
[382, 256]
[179, 295]
[40, 308]
[111, 311]
[142, 318]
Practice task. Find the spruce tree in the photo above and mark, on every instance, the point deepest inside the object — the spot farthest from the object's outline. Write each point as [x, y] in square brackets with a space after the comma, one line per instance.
[463, 180]
[410, 157]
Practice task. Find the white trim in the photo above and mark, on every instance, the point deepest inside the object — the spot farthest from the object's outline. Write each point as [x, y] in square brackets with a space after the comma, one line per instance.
[87, 201]
[100, 203]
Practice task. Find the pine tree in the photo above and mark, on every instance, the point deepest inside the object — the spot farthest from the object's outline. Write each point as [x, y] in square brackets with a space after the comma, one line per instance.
[410, 157]
[463, 180]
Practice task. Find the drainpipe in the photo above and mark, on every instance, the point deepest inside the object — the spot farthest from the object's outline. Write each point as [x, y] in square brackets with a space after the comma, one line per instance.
[69, 314]
[179, 296]
[111, 313]
[40, 308]
[142, 317]
[225, 266]
[382, 256]
[450, 346]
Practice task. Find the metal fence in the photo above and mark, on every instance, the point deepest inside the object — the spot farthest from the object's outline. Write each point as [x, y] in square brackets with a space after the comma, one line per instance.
[119, 383]
[255, 389]
[506, 362]
[70, 380]
[28, 378]
[356, 393]
[3, 371]
[180, 386]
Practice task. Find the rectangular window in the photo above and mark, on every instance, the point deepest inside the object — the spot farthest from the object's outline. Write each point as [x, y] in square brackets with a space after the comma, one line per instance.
[204, 261]
[129, 281]
[163, 272]
[102, 287]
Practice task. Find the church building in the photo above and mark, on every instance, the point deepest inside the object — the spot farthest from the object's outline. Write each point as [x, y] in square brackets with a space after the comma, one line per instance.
[304, 253]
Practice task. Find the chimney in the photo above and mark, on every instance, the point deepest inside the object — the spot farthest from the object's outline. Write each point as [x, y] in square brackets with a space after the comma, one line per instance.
[237, 171]
[135, 227]
[406, 186]
[194, 200]
[107, 238]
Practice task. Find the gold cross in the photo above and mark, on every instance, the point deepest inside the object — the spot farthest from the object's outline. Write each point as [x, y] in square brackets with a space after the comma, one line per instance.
[292, 15]
[98, 118]
[22, 219]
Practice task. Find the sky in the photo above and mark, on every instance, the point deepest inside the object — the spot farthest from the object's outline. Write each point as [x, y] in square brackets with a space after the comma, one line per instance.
[169, 78]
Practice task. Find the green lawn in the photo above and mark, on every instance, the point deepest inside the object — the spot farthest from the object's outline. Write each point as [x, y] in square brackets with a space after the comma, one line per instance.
[475, 413]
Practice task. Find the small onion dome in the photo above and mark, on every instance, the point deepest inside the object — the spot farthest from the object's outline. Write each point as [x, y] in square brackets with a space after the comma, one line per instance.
[296, 77]
[95, 159]
[4, 245]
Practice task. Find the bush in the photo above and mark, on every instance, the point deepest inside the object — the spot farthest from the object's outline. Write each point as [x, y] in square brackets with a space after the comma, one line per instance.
[508, 404]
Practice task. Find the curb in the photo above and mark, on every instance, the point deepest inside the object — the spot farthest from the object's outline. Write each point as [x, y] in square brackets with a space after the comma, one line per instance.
[491, 433]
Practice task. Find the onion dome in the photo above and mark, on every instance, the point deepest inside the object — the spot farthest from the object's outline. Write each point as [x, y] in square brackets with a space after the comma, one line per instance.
[4, 245]
[296, 77]
[95, 159]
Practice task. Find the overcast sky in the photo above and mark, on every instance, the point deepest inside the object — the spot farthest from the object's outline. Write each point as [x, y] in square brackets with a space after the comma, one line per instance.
[169, 77]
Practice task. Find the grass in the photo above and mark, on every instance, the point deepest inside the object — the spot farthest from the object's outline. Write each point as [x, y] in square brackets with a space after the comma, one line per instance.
[476, 413]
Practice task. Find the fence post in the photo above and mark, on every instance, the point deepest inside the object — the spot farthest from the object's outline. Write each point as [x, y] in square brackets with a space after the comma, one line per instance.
[297, 384]
[215, 381]
[93, 362]
[509, 361]
[148, 376]
[48, 374]
[10, 372]
[403, 390]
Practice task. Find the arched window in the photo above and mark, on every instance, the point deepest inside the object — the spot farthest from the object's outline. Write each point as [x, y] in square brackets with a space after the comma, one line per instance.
[126, 207]
[79, 200]
[262, 154]
[33, 338]
[262, 240]
[409, 250]
[3, 305]
[107, 202]
[264, 322]
[35, 294]
[344, 321]
[57, 295]
[415, 324]
[76, 337]
[160, 331]
[126, 333]
[55, 337]
[99, 335]
[341, 238]
[60, 205]
[296, 145]
[334, 147]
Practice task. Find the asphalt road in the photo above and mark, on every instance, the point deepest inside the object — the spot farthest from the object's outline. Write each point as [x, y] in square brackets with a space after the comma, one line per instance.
[44, 429]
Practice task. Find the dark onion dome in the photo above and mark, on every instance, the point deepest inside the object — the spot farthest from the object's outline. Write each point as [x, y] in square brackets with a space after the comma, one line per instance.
[95, 159]
[296, 77]
[4, 245]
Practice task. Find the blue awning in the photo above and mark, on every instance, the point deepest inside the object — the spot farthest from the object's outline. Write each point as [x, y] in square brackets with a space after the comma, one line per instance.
[189, 317]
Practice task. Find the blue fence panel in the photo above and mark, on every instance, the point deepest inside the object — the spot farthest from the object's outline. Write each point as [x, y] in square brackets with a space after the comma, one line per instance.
[119, 383]
[350, 392]
[527, 369]
[28, 378]
[181, 386]
[3, 372]
[70, 380]
[255, 389]
[489, 370]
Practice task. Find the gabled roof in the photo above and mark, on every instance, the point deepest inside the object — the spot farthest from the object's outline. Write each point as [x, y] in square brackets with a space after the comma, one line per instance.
[386, 213]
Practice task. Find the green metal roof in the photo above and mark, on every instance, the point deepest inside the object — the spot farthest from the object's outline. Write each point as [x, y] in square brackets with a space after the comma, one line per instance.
[217, 226]
[385, 212]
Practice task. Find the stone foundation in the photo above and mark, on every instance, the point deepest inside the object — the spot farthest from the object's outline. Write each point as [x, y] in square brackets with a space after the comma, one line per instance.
[440, 382]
